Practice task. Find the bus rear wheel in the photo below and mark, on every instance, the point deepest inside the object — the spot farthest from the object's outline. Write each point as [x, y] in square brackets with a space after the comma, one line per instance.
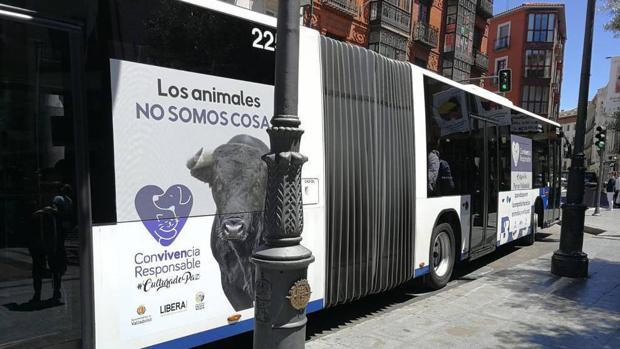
[441, 257]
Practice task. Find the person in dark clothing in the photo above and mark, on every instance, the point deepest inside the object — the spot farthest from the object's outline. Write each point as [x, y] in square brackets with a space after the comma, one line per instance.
[610, 189]
[47, 246]
[445, 182]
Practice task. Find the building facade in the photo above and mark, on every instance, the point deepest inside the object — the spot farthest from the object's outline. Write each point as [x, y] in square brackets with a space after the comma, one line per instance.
[568, 120]
[529, 40]
[604, 110]
[445, 36]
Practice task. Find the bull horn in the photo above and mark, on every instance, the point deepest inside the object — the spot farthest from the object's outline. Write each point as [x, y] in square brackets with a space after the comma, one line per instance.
[200, 164]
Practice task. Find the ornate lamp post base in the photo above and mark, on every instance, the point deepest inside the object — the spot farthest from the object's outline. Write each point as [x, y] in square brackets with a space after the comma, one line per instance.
[281, 274]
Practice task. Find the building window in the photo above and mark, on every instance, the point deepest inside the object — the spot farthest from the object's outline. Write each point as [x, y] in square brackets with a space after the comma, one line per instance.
[535, 99]
[451, 14]
[420, 62]
[501, 63]
[538, 63]
[541, 27]
[503, 36]
[423, 13]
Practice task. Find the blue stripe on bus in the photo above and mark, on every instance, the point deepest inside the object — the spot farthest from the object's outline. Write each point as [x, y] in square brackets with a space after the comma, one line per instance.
[223, 332]
[421, 271]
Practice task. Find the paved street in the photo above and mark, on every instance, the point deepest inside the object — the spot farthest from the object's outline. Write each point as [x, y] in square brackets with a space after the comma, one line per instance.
[502, 306]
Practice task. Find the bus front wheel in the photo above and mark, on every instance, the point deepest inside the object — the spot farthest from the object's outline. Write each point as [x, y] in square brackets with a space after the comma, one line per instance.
[441, 258]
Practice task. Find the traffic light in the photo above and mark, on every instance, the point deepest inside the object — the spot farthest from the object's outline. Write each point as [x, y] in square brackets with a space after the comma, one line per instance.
[505, 80]
[600, 137]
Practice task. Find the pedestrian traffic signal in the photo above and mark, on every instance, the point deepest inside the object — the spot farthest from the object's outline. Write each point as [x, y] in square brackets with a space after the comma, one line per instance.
[505, 80]
[601, 135]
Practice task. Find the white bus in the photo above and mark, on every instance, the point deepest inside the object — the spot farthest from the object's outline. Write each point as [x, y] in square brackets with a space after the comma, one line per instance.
[408, 172]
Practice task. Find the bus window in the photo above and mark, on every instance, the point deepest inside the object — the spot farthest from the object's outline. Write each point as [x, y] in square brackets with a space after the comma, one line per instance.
[450, 163]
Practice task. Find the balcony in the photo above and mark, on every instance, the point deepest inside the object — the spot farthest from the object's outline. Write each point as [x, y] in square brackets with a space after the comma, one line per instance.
[388, 15]
[502, 43]
[481, 60]
[485, 8]
[426, 34]
[348, 7]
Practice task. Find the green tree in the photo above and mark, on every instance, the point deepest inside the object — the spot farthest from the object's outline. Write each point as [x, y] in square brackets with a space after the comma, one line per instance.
[613, 8]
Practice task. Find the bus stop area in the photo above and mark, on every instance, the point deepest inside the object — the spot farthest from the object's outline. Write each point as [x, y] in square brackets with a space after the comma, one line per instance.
[508, 302]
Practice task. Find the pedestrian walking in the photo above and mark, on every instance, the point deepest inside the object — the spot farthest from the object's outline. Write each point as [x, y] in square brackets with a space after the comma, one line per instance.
[611, 188]
[617, 195]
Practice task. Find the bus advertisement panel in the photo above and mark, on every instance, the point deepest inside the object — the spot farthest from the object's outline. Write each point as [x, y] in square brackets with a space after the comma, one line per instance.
[515, 206]
[190, 189]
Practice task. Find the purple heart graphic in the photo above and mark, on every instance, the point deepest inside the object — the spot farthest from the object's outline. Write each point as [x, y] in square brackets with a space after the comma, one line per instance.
[164, 214]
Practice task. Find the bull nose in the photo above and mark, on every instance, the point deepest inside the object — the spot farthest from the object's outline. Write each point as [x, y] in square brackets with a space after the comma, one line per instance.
[234, 229]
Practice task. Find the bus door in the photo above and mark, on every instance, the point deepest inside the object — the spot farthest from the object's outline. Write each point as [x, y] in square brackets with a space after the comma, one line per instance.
[485, 189]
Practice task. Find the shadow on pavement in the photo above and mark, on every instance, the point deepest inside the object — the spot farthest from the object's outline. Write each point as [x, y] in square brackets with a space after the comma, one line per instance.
[324, 321]
[562, 312]
[33, 306]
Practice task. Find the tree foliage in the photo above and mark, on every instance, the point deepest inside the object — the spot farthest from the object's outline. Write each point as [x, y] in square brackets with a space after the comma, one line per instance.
[613, 8]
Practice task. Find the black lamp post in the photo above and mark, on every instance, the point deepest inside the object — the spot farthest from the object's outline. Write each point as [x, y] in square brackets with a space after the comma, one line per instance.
[282, 291]
[569, 260]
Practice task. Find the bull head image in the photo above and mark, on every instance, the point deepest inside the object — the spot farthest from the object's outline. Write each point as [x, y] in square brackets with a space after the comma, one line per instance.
[237, 177]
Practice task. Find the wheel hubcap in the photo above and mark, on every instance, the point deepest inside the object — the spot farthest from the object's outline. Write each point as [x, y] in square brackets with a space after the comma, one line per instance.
[441, 253]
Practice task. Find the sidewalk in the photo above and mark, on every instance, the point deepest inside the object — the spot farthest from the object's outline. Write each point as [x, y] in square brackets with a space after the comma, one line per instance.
[523, 306]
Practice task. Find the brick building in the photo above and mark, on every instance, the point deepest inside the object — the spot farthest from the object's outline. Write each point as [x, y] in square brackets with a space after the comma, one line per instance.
[446, 36]
[529, 39]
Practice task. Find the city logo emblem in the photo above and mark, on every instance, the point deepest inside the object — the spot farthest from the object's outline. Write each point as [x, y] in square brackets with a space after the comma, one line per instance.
[164, 213]
[516, 151]
[142, 318]
[141, 310]
[200, 297]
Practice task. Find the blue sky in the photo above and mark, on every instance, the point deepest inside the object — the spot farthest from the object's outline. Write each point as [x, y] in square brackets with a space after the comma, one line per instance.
[604, 45]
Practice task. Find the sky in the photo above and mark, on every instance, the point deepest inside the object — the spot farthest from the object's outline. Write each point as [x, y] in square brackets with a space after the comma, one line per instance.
[604, 45]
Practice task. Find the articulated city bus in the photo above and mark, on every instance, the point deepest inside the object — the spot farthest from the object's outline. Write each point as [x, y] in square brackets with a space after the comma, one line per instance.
[409, 172]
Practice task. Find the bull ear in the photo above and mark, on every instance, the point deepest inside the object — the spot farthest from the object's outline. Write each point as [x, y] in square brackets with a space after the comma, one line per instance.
[201, 165]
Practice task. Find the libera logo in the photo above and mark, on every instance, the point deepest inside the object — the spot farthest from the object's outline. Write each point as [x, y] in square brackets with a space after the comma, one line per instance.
[172, 307]
[164, 213]
[516, 152]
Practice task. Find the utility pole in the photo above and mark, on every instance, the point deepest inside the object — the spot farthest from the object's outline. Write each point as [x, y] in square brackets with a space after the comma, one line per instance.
[569, 260]
[282, 290]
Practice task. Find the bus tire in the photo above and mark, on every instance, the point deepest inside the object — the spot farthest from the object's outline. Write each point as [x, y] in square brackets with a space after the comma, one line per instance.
[441, 257]
[529, 239]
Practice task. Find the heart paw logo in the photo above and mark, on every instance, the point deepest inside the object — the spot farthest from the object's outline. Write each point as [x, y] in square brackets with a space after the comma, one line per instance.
[164, 213]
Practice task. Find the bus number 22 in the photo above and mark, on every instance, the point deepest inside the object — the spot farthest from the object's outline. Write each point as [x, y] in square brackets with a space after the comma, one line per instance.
[265, 40]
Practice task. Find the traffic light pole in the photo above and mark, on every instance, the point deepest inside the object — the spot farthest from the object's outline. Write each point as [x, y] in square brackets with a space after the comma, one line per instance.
[599, 183]
[569, 260]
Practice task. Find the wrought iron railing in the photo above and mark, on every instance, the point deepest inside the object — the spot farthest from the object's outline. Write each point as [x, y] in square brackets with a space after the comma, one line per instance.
[503, 42]
[426, 34]
[346, 6]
